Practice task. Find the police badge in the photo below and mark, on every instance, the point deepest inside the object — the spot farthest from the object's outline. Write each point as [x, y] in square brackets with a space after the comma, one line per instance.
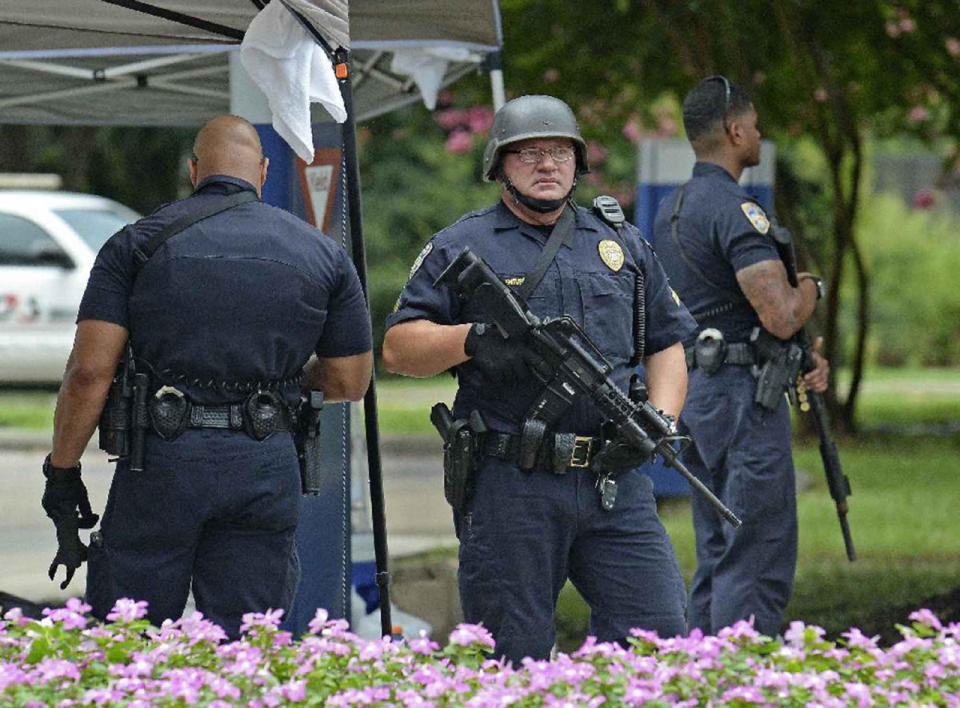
[611, 254]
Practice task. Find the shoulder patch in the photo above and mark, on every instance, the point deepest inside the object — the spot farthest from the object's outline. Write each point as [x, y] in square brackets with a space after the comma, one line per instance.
[756, 216]
[419, 261]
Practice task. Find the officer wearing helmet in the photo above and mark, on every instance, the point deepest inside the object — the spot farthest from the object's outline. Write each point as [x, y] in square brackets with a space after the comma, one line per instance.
[524, 533]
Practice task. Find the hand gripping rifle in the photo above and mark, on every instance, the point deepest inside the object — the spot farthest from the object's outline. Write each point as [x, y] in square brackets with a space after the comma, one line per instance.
[571, 366]
[837, 481]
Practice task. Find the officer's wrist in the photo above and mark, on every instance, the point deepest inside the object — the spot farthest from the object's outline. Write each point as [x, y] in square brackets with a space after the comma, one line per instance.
[58, 474]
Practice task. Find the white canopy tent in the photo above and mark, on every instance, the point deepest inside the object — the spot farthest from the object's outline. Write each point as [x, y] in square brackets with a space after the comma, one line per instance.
[165, 62]
[110, 62]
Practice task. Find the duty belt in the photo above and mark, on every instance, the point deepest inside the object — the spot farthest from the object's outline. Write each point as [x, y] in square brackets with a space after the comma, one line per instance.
[260, 415]
[741, 354]
[505, 446]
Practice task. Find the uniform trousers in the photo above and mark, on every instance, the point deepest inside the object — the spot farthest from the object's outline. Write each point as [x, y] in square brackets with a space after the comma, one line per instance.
[215, 510]
[742, 453]
[525, 533]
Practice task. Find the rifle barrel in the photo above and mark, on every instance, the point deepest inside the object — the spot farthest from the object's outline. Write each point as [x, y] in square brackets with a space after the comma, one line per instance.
[673, 461]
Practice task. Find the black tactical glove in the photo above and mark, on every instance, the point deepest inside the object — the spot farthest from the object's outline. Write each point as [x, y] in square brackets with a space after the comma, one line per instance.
[618, 455]
[66, 502]
[503, 361]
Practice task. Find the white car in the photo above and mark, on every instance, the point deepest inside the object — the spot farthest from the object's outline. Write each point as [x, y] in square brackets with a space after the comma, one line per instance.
[48, 242]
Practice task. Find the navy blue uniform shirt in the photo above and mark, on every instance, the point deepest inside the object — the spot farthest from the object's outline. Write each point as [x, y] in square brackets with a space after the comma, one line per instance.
[579, 283]
[721, 229]
[239, 299]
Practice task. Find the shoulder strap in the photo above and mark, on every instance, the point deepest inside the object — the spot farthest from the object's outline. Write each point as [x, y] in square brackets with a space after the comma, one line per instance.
[562, 231]
[143, 253]
[733, 298]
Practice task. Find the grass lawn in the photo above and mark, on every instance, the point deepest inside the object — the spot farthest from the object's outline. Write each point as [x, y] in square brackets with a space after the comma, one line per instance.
[905, 526]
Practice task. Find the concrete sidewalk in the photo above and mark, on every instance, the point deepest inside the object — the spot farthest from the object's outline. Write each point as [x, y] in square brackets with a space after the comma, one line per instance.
[417, 515]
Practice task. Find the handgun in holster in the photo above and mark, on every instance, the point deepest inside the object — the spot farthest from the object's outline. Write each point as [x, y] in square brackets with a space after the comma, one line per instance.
[460, 451]
[124, 418]
[307, 440]
[777, 372]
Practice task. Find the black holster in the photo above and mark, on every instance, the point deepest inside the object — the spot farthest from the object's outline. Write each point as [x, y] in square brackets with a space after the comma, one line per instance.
[460, 453]
[779, 367]
[307, 439]
[124, 418]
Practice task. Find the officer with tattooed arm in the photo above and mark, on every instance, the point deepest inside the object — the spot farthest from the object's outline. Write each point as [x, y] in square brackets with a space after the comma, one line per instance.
[537, 507]
[716, 245]
[229, 308]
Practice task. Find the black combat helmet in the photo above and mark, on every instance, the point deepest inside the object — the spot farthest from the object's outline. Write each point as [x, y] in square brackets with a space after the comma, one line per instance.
[531, 117]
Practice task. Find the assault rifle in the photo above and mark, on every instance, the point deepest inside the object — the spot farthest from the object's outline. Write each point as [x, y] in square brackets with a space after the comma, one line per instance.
[837, 481]
[573, 366]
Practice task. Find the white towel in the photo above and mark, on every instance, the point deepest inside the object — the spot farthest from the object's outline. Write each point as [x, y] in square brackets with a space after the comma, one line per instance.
[293, 71]
[428, 66]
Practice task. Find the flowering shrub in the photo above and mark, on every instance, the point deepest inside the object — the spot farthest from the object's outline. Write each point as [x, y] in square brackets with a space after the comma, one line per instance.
[67, 659]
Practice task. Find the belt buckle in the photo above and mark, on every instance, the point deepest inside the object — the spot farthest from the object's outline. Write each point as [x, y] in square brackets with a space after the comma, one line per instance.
[582, 449]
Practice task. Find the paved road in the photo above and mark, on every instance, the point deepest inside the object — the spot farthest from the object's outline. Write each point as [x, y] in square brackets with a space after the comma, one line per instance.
[418, 518]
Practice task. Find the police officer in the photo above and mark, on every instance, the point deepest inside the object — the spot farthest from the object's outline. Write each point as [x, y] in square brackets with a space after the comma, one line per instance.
[525, 532]
[715, 243]
[224, 317]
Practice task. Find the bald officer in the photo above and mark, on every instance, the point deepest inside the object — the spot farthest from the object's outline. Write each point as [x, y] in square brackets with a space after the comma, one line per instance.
[241, 308]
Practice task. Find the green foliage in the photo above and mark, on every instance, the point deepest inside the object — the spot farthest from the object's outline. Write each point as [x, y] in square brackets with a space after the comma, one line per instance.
[413, 187]
[914, 259]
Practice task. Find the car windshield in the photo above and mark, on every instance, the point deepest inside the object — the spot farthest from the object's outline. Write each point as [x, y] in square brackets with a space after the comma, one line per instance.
[95, 226]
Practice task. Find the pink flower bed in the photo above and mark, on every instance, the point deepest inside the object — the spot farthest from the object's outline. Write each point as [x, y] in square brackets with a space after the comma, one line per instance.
[67, 659]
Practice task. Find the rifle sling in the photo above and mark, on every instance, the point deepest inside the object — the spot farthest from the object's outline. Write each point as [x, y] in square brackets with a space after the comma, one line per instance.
[733, 299]
[143, 254]
[562, 231]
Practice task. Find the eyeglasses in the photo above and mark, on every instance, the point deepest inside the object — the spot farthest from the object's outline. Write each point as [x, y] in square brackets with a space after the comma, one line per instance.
[533, 155]
[726, 95]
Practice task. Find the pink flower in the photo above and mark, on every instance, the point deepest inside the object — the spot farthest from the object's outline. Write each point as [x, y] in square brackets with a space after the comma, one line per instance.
[907, 25]
[470, 634]
[858, 694]
[858, 640]
[127, 610]
[924, 199]
[918, 114]
[423, 645]
[925, 616]
[479, 119]
[459, 142]
[551, 75]
[668, 127]
[632, 130]
[255, 620]
[71, 616]
[294, 691]
[892, 28]
[452, 118]
[319, 620]
[820, 95]
[596, 153]
[952, 45]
